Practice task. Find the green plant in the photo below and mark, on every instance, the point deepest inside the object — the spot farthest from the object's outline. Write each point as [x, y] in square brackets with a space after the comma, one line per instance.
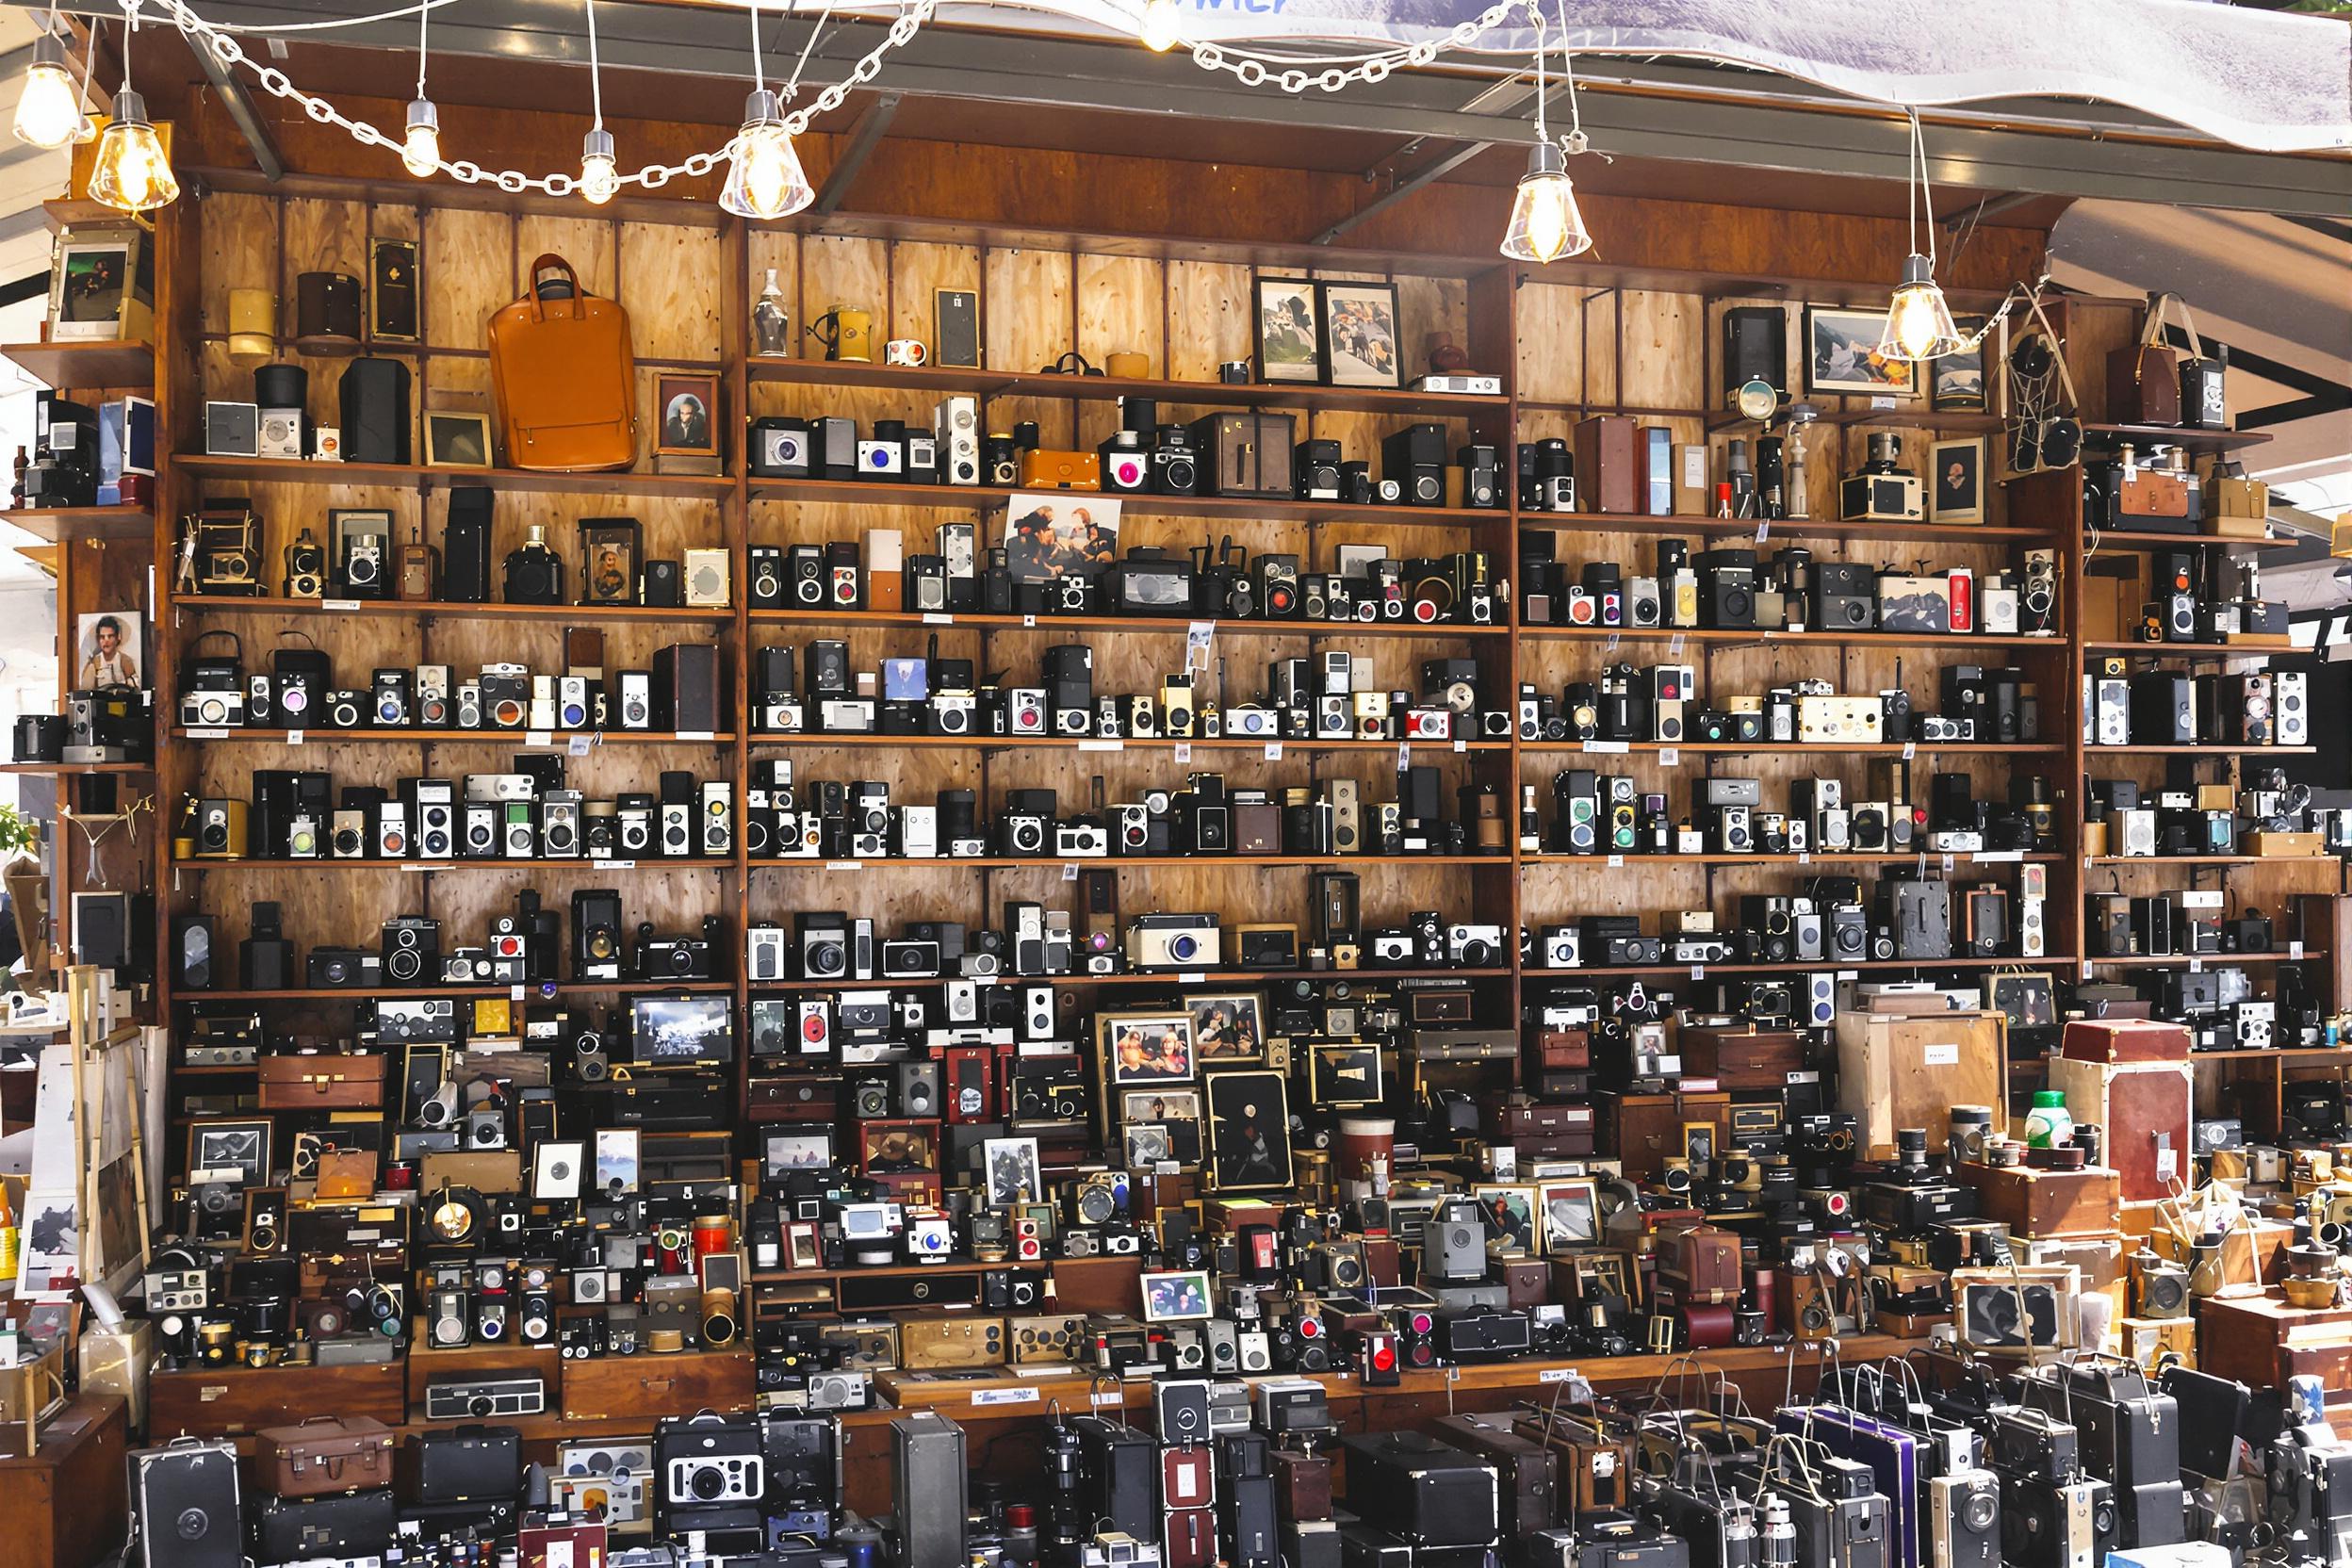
[18, 833]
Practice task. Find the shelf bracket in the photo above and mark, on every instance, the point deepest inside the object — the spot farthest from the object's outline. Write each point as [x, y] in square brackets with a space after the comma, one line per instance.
[240, 104]
[863, 137]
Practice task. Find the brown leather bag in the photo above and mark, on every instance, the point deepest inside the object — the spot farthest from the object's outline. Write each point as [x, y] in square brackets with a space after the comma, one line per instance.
[566, 377]
[324, 1455]
[2144, 381]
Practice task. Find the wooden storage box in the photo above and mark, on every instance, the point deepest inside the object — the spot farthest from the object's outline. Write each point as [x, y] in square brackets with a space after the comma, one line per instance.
[323, 1082]
[1909, 1071]
[1608, 472]
[2262, 1342]
[642, 1388]
[1743, 1059]
[65, 1506]
[2047, 1202]
[2143, 1109]
[239, 1401]
[2110, 1040]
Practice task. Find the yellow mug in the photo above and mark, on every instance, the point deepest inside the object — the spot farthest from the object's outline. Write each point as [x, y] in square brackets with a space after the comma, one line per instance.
[1128, 364]
[847, 335]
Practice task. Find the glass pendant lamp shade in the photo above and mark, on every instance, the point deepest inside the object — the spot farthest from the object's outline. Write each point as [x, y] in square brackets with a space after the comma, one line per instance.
[1545, 222]
[599, 176]
[1919, 322]
[764, 178]
[49, 115]
[130, 171]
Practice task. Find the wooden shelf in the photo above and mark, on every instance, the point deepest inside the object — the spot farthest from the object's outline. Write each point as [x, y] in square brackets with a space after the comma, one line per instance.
[933, 381]
[434, 609]
[852, 620]
[1912, 418]
[370, 993]
[2214, 860]
[1867, 966]
[2129, 539]
[2201, 751]
[420, 736]
[76, 767]
[970, 498]
[894, 1270]
[86, 366]
[1793, 748]
[286, 470]
[2184, 960]
[2141, 438]
[1090, 747]
[1796, 528]
[1184, 979]
[2202, 652]
[999, 863]
[64, 524]
[2004, 643]
[651, 862]
[1860, 858]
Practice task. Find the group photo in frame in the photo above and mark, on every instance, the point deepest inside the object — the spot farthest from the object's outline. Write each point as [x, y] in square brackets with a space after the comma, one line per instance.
[1139, 1048]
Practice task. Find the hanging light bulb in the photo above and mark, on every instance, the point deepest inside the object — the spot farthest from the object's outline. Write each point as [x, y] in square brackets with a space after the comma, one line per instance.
[1918, 321]
[130, 171]
[600, 177]
[49, 114]
[421, 148]
[764, 178]
[1545, 223]
[1160, 22]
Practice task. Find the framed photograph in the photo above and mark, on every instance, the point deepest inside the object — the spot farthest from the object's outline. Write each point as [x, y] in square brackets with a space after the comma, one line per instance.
[1345, 1073]
[1511, 1214]
[1146, 1144]
[110, 650]
[455, 440]
[1359, 347]
[1014, 1174]
[1175, 1297]
[619, 1161]
[1145, 1048]
[1607, 1271]
[1290, 345]
[1249, 1122]
[1228, 1028]
[1955, 480]
[810, 1149]
[682, 1031]
[803, 1246]
[1955, 382]
[555, 1171]
[232, 1149]
[1572, 1215]
[1841, 354]
[897, 1148]
[1053, 534]
[101, 286]
[611, 551]
[1177, 1110]
[687, 407]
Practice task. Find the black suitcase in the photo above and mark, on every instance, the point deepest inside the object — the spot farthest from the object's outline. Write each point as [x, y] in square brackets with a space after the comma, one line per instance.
[487, 1517]
[356, 1524]
[185, 1507]
[1413, 1486]
[468, 1463]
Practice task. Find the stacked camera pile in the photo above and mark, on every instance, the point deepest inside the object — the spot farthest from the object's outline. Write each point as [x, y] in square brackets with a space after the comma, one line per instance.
[1737, 589]
[1334, 696]
[861, 819]
[1661, 704]
[2175, 708]
[683, 692]
[526, 814]
[1220, 580]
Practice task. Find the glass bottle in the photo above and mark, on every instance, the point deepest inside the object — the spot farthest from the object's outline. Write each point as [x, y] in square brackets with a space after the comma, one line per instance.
[771, 324]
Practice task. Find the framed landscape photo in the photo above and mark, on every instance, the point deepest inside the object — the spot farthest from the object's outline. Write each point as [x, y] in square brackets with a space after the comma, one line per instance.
[1290, 343]
[1841, 354]
[101, 286]
[1955, 480]
[1177, 1111]
[1249, 1119]
[619, 1158]
[1145, 1048]
[1360, 344]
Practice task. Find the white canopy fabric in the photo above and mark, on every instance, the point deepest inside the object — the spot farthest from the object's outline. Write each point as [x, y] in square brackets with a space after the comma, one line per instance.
[2265, 80]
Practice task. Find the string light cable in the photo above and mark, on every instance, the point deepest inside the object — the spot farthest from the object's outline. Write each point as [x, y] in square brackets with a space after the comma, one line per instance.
[225, 48]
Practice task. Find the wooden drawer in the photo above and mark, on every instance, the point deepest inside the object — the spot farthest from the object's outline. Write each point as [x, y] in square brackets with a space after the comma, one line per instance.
[1743, 1059]
[645, 1387]
[796, 1099]
[321, 1082]
[239, 1401]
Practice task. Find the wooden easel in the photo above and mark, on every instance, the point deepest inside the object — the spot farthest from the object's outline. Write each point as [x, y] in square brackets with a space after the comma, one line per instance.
[90, 994]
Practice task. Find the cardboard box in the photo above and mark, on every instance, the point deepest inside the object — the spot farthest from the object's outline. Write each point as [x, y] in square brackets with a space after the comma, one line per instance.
[1910, 1071]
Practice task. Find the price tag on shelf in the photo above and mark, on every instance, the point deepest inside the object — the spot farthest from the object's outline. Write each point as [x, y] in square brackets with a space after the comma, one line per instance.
[844, 865]
[697, 734]
[1070, 871]
[1948, 859]
[1103, 746]
[1557, 1375]
[2196, 966]
[427, 866]
[937, 617]
[207, 734]
[1404, 755]
[1910, 750]
[2089, 969]
[1273, 751]
[1197, 977]
[578, 745]
[1005, 1396]
[1670, 757]
[539, 738]
[1881, 401]
[1607, 748]
[1183, 751]
[1028, 623]
[1462, 743]
[1804, 856]
[1698, 972]
[1674, 645]
[1616, 862]
[338, 604]
[1116, 1398]
[617, 865]
[1997, 857]
[2295, 952]
[293, 737]
[1198, 636]
[516, 993]
[1609, 646]
[1763, 530]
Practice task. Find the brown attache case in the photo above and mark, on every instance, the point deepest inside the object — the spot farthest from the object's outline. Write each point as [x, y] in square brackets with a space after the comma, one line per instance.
[1608, 476]
[564, 376]
[321, 1082]
[324, 1454]
[2143, 380]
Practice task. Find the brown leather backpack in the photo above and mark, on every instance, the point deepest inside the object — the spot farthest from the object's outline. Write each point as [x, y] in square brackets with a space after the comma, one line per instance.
[565, 378]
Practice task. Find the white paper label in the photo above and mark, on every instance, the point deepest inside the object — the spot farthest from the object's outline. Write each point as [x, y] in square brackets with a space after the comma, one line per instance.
[1763, 530]
[1698, 972]
[207, 734]
[1070, 871]
[1670, 757]
[2294, 951]
[1103, 746]
[1943, 1055]
[844, 865]
[937, 617]
[428, 865]
[338, 604]
[1462, 743]
[1556, 1375]
[1028, 623]
[293, 737]
[1273, 751]
[2166, 1162]
[1674, 645]
[1183, 751]
[1607, 748]
[1804, 856]
[618, 865]
[539, 738]
[1198, 636]
[698, 735]
[1196, 977]
[1910, 750]
[577, 745]
[514, 993]
[1005, 1396]
[1616, 862]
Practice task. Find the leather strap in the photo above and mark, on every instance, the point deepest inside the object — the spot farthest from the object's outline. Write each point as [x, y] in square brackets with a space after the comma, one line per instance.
[548, 261]
[2057, 349]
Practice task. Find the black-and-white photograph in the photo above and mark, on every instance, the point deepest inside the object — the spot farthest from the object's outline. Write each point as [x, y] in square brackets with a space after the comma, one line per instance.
[556, 1170]
[1249, 1131]
[682, 1031]
[1013, 1173]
